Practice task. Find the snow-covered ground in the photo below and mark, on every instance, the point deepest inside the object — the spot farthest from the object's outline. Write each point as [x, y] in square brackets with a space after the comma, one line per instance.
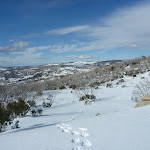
[2, 69]
[109, 123]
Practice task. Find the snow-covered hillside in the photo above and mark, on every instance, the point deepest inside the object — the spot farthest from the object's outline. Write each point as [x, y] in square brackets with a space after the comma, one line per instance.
[109, 123]
[43, 72]
[48, 71]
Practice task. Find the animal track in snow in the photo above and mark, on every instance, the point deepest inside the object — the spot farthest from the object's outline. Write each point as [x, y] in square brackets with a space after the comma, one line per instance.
[79, 136]
[75, 132]
[86, 142]
[84, 134]
[75, 140]
[65, 130]
[64, 127]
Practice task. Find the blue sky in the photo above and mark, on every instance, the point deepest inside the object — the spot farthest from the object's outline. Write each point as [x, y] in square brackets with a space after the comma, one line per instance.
[34, 32]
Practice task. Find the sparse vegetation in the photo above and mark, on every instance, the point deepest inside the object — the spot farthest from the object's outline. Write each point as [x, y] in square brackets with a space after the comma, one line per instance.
[84, 83]
[86, 94]
[31, 103]
[10, 111]
[141, 89]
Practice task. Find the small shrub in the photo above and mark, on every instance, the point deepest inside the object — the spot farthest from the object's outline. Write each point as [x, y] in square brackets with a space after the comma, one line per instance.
[62, 87]
[95, 84]
[46, 105]
[36, 112]
[5, 117]
[102, 82]
[19, 108]
[86, 102]
[16, 125]
[39, 111]
[87, 96]
[109, 85]
[134, 63]
[134, 75]
[120, 81]
[31, 103]
[33, 112]
[140, 90]
[73, 87]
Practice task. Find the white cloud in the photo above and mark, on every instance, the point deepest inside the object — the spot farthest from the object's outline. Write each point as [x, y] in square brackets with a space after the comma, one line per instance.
[33, 49]
[87, 57]
[63, 31]
[126, 28]
[81, 57]
[63, 48]
[21, 44]
[10, 49]
[12, 40]
[17, 46]
[27, 58]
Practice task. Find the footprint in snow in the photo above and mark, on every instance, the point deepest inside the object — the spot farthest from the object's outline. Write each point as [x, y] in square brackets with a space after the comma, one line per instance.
[86, 143]
[60, 127]
[84, 134]
[79, 132]
[75, 140]
[64, 127]
[75, 132]
[65, 130]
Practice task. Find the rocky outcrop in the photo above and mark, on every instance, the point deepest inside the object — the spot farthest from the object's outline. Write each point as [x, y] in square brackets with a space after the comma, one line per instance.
[145, 101]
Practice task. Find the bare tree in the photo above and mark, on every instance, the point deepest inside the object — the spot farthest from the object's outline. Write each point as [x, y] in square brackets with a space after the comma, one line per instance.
[50, 99]
[86, 94]
[140, 90]
[5, 92]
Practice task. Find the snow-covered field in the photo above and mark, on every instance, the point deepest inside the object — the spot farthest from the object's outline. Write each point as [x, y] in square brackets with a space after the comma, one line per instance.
[109, 123]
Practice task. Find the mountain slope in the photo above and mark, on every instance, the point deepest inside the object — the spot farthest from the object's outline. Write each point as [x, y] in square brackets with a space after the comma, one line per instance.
[111, 122]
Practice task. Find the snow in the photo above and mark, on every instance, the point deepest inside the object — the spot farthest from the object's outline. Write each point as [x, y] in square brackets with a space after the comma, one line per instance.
[72, 125]
[51, 64]
[2, 69]
[77, 63]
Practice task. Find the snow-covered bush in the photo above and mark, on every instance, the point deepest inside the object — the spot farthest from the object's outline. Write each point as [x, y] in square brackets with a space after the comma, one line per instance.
[36, 112]
[5, 93]
[16, 125]
[120, 81]
[46, 105]
[87, 97]
[50, 99]
[62, 87]
[31, 103]
[109, 85]
[86, 94]
[73, 87]
[33, 112]
[140, 90]
[39, 111]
